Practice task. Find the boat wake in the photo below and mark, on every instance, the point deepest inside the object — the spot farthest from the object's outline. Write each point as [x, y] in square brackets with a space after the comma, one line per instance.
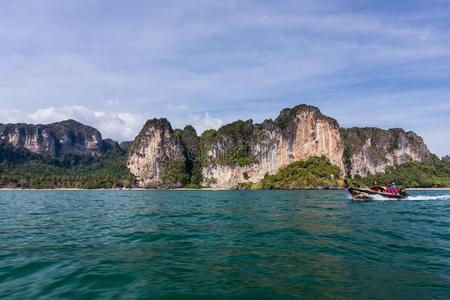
[414, 198]
[425, 197]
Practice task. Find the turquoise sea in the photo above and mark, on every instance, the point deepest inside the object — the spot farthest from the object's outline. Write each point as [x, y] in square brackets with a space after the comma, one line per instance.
[222, 245]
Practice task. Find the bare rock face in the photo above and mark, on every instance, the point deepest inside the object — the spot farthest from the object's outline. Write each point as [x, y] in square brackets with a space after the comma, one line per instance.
[446, 159]
[241, 153]
[372, 150]
[62, 138]
[156, 158]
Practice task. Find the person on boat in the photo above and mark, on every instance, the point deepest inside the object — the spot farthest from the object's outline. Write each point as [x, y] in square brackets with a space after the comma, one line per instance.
[393, 185]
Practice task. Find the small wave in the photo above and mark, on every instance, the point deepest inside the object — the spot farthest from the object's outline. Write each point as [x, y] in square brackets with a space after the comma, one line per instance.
[425, 197]
[414, 198]
[381, 198]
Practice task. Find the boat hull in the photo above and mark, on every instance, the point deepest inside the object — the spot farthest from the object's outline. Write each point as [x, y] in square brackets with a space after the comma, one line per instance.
[368, 194]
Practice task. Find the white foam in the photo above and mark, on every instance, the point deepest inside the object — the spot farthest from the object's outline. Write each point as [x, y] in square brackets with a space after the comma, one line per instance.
[425, 198]
[409, 198]
[413, 198]
[381, 198]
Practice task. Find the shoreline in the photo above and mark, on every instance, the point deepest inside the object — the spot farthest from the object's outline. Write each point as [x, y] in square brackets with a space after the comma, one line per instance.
[116, 190]
[191, 189]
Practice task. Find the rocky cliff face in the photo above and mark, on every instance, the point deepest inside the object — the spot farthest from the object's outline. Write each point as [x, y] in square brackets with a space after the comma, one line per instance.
[372, 150]
[62, 138]
[244, 153]
[156, 157]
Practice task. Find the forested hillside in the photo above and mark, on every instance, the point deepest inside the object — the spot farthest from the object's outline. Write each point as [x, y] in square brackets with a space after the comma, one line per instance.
[20, 168]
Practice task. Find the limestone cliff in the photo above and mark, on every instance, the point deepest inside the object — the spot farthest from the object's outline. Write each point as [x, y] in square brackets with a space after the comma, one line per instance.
[156, 156]
[372, 150]
[62, 138]
[243, 152]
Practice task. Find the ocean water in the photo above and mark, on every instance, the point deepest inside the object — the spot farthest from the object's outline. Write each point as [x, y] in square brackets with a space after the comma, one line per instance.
[222, 245]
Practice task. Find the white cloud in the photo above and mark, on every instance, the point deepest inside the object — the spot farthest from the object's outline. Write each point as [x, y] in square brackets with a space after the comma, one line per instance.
[120, 126]
[202, 122]
[55, 114]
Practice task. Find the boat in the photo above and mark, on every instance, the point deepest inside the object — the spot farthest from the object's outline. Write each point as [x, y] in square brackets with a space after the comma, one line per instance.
[372, 192]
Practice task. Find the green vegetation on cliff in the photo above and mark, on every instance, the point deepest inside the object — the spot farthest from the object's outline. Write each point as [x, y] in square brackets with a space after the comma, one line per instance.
[163, 124]
[235, 140]
[288, 115]
[316, 172]
[377, 144]
[62, 138]
[191, 174]
[175, 173]
[410, 175]
[230, 142]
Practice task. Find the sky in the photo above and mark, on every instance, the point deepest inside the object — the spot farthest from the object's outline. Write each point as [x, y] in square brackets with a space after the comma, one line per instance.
[113, 64]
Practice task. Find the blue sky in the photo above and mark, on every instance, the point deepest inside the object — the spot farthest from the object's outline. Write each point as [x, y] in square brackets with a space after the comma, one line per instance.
[114, 63]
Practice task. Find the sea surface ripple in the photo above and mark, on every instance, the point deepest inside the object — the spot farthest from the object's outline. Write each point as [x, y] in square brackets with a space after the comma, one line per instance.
[222, 245]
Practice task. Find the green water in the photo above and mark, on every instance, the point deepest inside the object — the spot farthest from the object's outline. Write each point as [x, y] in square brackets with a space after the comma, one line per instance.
[222, 245]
